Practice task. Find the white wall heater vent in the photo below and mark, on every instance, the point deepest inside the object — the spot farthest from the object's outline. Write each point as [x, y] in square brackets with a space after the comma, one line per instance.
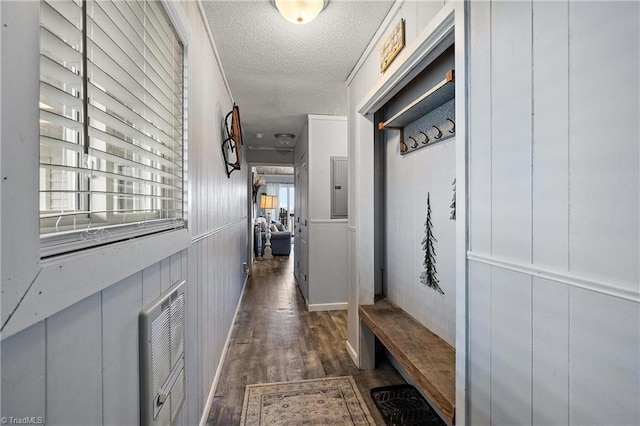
[162, 358]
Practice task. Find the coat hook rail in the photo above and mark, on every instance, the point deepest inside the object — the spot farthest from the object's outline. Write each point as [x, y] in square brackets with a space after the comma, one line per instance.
[403, 147]
[426, 138]
[439, 135]
[453, 125]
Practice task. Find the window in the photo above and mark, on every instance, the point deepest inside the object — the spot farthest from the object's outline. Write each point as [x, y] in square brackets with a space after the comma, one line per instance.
[286, 197]
[287, 202]
[111, 123]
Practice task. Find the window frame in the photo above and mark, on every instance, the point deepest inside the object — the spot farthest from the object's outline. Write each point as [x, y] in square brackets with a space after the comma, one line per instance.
[83, 222]
[34, 288]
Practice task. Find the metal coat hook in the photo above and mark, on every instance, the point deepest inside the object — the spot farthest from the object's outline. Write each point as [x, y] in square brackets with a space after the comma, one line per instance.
[415, 142]
[426, 138]
[453, 125]
[439, 135]
[403, 147]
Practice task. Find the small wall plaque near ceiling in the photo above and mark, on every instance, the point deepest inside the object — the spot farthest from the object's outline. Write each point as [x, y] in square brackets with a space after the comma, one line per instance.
[392, 46]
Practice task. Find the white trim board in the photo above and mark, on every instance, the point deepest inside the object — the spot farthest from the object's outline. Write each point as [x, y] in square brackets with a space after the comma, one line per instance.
[68, 279]
[216, 230]
[270, 148]
[318, 307]
[610, 288]
[179, 19]
[20, 186]
[223, 356]
[327, 117]
[461, 32]
[205, 22]
[352, 353]
[329, 221]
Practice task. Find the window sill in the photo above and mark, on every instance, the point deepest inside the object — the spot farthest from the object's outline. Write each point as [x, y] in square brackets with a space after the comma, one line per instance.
[65, 280]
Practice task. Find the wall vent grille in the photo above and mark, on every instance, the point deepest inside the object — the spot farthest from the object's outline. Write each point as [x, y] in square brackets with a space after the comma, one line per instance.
[162, 332]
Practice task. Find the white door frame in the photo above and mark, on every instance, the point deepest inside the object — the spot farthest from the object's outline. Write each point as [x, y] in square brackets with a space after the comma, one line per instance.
[448, 27]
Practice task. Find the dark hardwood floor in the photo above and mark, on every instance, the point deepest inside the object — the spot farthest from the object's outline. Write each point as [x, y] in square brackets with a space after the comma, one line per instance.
[275, 339]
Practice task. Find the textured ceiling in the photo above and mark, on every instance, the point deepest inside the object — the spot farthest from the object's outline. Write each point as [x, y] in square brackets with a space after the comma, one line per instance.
[279, 71]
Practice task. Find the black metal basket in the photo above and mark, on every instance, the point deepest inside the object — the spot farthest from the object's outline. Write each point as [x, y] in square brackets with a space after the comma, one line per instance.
[404, 405]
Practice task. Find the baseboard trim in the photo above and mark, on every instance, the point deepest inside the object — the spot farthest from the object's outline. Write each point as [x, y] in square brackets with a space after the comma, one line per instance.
[353, 354]
[327, 307]
[216, 378]
[329, 221]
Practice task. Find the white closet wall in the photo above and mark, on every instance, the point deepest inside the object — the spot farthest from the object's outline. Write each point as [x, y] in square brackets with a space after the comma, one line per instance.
[320, 246]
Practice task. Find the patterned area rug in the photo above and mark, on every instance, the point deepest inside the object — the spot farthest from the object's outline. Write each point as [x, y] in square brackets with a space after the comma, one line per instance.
[328, 401]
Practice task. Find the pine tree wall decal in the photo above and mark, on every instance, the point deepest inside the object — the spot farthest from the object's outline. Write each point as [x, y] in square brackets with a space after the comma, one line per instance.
[453, 202]
[429, 276]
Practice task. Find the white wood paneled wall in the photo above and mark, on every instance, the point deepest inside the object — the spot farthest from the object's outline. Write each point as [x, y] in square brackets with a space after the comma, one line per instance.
[80, 366]
[327, 238]
[82, 363]
[554, 207]
[327, 262]
[408, 180]
[321, 242]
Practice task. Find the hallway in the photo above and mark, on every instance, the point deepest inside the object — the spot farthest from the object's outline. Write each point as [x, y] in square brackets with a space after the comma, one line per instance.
[275, 339]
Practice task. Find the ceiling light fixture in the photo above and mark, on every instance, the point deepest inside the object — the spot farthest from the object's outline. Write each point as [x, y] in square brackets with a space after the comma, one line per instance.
[284, 138]
[300, 11]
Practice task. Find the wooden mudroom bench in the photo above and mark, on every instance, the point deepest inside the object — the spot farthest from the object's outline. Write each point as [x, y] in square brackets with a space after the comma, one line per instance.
[429, 360]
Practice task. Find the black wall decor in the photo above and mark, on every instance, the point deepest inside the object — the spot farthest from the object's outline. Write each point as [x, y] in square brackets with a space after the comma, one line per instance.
[453, 202]
[232, 145]
[429, 276]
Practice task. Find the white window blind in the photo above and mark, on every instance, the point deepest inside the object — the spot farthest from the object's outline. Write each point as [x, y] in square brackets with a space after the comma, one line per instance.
[111, 108]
